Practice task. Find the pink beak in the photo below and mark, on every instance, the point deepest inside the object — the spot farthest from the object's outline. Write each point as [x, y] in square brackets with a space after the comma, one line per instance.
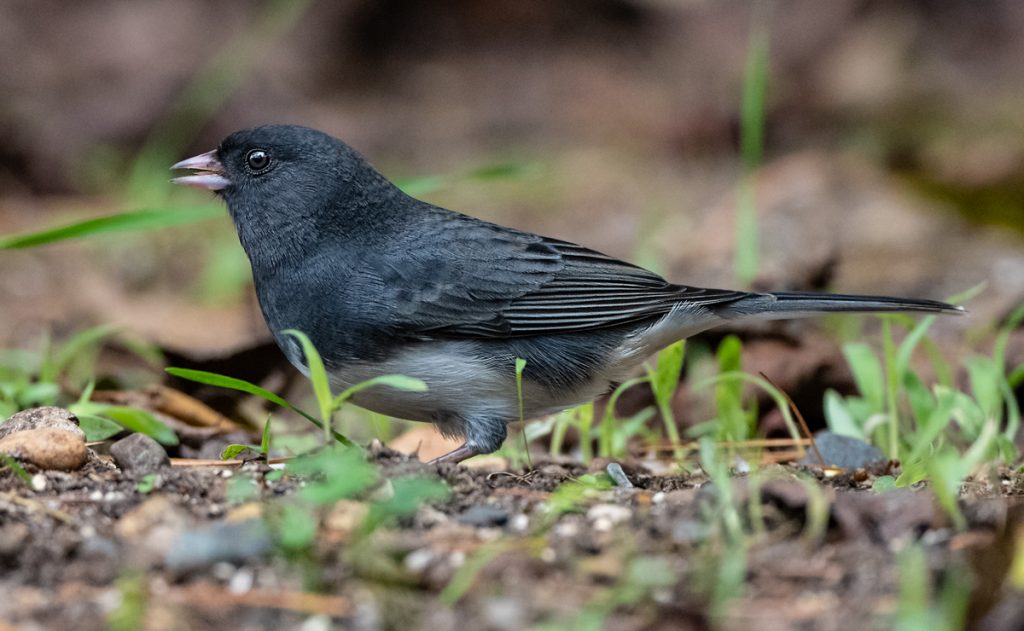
[209, 174]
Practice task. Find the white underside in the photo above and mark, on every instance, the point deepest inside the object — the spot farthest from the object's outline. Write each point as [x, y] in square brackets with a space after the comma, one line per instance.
[462, 385]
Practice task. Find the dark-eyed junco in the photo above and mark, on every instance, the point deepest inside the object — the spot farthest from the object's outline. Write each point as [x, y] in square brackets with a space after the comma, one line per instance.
[383, 283]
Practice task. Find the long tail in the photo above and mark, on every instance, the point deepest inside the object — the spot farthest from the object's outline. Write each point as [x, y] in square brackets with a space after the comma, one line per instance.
[797, 304]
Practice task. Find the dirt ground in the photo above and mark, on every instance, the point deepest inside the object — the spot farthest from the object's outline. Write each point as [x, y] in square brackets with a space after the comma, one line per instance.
[84, 544]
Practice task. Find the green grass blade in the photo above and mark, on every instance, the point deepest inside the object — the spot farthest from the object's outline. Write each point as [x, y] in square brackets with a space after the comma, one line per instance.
[137, 220]
[755, 82]
[142, 422]
[867, 373]
[398, 382]
[77, 345]
[318, 377]
[222, 381]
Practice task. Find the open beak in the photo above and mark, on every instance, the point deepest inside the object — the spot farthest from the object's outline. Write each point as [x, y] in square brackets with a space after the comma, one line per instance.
[209, 172]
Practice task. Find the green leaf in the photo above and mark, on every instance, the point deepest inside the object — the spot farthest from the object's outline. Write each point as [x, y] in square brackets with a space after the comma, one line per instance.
[98, 428]
[667, 371]
[345, 473]
[80, 343]
[15, 466]
[37, 394]
[296, 527]
[137, 220]
[884, 483]
[985, 377]
[906, 349]
[142, 422]
[1016, 377]
[234, 449]
[734, 421]
[409, 494]
[839, 418]
[867, 373]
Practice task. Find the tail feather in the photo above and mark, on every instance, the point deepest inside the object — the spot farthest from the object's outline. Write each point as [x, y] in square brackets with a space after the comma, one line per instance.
[791, 304]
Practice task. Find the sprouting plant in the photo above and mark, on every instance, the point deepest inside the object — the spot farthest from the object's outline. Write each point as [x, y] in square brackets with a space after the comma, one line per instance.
[919, 609]
[130, 612]
[722, 556]
[147, 483]
[263, 449]
[664, 379]
[755, 81]
[43, 378]
[8, 462]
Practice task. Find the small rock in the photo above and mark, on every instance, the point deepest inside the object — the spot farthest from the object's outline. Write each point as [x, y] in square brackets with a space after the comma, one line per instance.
[223, 542]
[345, 516]
[504, 613]
[689, 531]
[47, 448]
[483, 516]
[605, 516]
[37, 418]
[842, 451]
[152, 527]
[12, 537]
[139, 455]
[618, 476]
[419, 560]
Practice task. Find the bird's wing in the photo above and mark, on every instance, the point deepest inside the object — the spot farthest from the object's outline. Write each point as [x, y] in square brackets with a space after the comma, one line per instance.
[495, 282]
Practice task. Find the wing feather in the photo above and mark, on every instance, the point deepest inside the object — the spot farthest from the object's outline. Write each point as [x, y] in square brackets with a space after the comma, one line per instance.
[497, 282]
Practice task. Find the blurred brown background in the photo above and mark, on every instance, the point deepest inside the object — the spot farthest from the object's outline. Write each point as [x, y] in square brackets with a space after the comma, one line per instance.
[894, 153]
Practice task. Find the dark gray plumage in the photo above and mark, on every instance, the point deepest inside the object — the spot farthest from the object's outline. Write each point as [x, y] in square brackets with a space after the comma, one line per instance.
[387, 284]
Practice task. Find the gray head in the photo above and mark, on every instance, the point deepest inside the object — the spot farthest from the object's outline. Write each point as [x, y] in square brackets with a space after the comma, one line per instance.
[288, 185]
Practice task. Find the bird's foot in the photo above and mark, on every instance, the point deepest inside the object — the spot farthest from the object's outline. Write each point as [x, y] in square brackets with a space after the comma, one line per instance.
[456, 455]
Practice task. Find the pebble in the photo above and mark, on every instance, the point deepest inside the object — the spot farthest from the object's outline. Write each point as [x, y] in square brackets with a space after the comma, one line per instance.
[13, 536]
[46, 447]
[38, 418]
[219, 543]
[139, 455]
[483, 516]
[617, 475]
[520, 522]
[153, 524]
[606, 516]
[504, 613]
[842, 451]
[419, 560]
[689, 531]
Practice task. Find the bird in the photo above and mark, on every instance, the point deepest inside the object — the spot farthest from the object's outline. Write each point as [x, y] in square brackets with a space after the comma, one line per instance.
[383, 283]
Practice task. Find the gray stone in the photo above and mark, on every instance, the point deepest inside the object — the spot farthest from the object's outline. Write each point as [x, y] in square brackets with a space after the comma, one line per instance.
[618, 476]
[138, 455]
[483, 516]
[45, 417]
[842, 451]
[228, 542]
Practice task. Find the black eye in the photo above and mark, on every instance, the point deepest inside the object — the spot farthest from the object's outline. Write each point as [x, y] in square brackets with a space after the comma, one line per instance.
[257, 159]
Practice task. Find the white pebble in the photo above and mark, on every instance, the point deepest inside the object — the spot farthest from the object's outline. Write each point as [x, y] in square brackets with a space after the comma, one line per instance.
[611, 513]
[39, 482]
[418, 561]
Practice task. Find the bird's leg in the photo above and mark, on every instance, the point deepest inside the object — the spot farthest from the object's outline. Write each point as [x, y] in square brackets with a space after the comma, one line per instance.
[456, 455]
[484, 435]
